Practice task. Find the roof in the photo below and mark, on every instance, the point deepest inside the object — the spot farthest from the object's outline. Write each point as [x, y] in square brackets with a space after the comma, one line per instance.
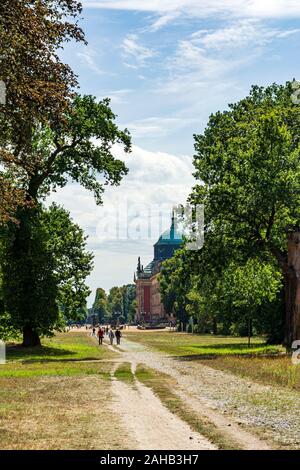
[170, 236]
[148, 269]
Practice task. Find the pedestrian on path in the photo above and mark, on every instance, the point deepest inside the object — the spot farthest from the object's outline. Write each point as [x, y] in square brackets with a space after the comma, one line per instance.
[94, 331]
[118, 336]
[100, 336]
[111, 336]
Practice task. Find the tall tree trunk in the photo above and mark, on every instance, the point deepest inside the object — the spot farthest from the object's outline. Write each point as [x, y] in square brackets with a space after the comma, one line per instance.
[291, 274]
[30, 337]
[250, 332]
[215, 326]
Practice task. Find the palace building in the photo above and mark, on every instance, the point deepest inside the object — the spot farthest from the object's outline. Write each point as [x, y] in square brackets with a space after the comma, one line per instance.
[149, 306]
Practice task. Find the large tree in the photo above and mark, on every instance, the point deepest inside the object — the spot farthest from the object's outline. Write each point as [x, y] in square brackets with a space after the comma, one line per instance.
[48, 136]
[78, 148]
[247, 161]
[38, 84]
[48, 269]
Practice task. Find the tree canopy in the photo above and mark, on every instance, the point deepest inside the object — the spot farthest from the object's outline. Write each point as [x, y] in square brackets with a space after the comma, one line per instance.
[247, 167]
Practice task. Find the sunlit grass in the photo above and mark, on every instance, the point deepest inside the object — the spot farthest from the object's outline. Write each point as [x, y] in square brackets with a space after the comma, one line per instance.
[124, 372]
[58, 396]
[181, 344]
[66, 354]
[48, 369]
[62, 347]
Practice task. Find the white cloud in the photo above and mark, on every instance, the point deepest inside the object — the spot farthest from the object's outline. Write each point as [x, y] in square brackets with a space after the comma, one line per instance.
[205, 8]
[89, 58]
[117, 96]
[156, 182]
[133, 50]
[163, 20]
[156, 126]
[240, 34]
[208, 57]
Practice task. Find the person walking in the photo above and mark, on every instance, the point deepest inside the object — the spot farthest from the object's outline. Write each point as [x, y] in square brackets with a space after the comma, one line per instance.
[94, 331]
[118, 336]
[111, 336]
[100, 336]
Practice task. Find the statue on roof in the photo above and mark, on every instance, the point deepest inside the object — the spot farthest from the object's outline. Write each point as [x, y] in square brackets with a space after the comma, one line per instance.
[139, 268]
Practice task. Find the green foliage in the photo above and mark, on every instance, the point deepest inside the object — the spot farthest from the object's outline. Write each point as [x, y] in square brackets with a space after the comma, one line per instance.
[79, 147]
[174, 285]
[129, 302]
[100, 306]
[30, 287]
[247, 165]
[73, 263]
[117, 306]
[52, 279]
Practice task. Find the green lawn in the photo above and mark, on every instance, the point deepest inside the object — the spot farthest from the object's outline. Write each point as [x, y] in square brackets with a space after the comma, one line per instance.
[65, 354]
[62, 347]
[183, 345]
[261, 363]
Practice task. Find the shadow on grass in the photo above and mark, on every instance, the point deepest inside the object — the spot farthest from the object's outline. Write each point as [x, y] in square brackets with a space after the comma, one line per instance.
[231, 347]
[227, 350]
[16, 351]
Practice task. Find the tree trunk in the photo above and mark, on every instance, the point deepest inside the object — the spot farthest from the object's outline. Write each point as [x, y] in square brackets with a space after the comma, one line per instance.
[250, 333]
[215, 326]
[291, 274]
[30, 337]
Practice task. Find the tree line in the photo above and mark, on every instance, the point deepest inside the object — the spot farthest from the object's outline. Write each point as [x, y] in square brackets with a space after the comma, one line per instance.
[116, 306]
[247, 170]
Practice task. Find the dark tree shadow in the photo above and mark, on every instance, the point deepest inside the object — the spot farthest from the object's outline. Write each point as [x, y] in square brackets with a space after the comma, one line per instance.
[235, 350]
[16, 351]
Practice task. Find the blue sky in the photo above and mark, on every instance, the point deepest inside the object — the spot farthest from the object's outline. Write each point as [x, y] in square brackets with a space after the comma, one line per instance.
[167, 65]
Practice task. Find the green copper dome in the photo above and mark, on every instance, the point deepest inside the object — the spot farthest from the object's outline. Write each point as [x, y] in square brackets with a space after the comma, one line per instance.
[170, 236]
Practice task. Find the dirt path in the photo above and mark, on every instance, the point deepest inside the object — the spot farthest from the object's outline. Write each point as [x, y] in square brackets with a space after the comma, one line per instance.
[150, 423]
[189, 389]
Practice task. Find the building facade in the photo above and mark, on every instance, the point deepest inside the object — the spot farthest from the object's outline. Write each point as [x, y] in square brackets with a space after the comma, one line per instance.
[149, 305]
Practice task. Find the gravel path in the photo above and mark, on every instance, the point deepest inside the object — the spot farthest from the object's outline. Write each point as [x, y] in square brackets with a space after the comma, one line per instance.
[234, 404]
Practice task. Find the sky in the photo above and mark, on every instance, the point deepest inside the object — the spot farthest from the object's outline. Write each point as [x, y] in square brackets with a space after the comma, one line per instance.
[167, 65]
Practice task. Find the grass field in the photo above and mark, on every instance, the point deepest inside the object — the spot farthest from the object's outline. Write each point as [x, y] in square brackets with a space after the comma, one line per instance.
[261, 363]
[183, 345]
[57, 396]
[74, 346]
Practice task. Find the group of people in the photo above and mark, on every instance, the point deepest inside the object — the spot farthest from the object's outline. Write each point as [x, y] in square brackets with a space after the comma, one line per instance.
[108, 332]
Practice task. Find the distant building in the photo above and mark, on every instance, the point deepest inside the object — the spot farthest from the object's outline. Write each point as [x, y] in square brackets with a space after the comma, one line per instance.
[149, 306]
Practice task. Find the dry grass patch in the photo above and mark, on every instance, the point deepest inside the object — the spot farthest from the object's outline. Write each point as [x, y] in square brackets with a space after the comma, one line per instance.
[58, 413]
[267, 370]
[58, 396]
